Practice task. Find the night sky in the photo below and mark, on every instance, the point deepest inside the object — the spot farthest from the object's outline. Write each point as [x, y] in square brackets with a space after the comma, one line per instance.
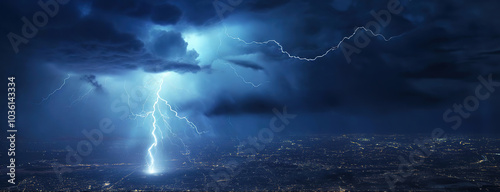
[228, 88]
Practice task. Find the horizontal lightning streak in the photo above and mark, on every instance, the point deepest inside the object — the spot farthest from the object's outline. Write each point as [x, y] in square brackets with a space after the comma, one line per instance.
[316, 57]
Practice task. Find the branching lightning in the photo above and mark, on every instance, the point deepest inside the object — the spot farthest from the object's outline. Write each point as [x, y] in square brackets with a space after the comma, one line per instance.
[234, 69]
[56, 90]
[318, 56]
[242, 78]
[282, 49]
[159, 116]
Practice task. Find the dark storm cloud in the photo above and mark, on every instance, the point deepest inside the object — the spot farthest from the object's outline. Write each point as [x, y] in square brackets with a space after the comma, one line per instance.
[133, 8]
[102, 50]
[444, 47]
[177, 67]
[158, 12]
[255, 104]
[247, 64]
[91, 79]
[103, 37]
[171, 45]
[195, 12]
[166, 14]
[199, 13]
[262, 5]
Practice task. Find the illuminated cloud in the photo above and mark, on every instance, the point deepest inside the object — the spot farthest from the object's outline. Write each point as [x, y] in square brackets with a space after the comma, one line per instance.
[444, 47]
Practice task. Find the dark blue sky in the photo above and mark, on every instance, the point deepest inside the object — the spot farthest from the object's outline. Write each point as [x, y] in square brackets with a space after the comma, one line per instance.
[110, 47]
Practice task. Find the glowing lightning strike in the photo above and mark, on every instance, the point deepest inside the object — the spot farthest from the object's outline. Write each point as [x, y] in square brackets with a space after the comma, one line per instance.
[157, 111]
[316, 57]
[53, 92]
[155, 143]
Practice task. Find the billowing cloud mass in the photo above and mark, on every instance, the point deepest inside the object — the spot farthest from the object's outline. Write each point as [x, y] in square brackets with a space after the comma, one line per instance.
[110, 37]
[438, 51]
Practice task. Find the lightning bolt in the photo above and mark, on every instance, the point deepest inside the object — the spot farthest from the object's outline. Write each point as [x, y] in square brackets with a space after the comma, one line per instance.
[282, 49]
[158, 116]
[56, 90]
[242, 78]
[234, 69]
[155, 143]
[318, 56]
[81, 97]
